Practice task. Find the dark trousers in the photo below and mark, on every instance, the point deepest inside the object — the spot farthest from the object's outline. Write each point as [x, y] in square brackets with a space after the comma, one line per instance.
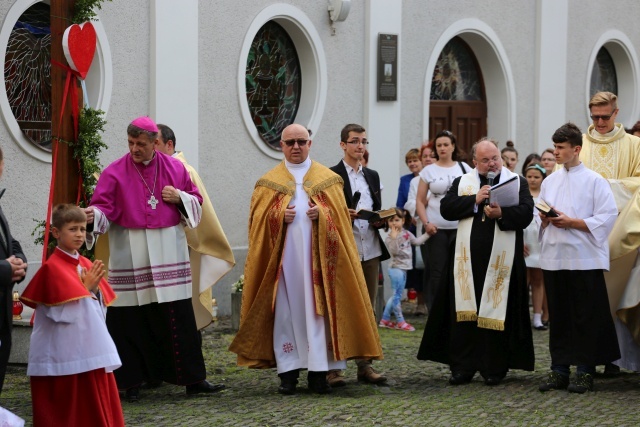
[581, 332]
[5, 350]
[157, 341]
[438, 249]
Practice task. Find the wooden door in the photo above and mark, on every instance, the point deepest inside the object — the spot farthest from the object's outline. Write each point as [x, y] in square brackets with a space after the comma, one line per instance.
[457, 99]
[466, 119]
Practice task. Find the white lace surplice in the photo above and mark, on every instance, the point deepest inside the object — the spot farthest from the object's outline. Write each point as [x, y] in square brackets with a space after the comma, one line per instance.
[152, 264]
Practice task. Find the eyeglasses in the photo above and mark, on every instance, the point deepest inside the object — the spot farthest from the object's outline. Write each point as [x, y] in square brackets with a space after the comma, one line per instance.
[596, 117]
[486, 161]
[292, 142]
[356, 141]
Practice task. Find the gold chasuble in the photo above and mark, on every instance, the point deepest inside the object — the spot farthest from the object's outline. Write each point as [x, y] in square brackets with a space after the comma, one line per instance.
[617, 158]
[209, 252]
[339, 288]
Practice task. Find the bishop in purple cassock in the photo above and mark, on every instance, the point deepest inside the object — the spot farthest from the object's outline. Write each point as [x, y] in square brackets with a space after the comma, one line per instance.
[144, 200]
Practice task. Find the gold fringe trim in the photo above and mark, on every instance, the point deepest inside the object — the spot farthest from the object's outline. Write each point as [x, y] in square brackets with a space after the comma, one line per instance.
[324, 185]
[466, 316]
[274, 186]
[494, 324]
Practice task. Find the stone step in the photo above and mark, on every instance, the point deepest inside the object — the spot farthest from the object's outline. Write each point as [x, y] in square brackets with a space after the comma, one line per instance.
[21, 337]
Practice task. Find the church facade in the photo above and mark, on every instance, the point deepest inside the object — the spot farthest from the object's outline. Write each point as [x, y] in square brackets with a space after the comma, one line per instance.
[228, 76]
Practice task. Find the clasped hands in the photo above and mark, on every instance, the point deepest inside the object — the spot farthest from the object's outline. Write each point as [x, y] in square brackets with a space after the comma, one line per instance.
[18, 268]
[290, 213]
[91, 277]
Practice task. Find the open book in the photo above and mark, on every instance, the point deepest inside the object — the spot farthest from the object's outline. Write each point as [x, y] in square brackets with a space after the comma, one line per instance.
[505, 194]
[546, 210]
[375, 216]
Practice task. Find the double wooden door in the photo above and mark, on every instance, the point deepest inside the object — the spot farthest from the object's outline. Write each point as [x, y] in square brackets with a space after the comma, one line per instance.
[466, 119]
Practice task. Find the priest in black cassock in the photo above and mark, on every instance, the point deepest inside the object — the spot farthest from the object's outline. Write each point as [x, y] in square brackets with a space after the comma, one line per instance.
[480, 319]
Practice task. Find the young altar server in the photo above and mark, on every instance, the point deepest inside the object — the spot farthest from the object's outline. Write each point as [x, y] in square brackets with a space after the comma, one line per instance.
[574, 253]
[72, 356]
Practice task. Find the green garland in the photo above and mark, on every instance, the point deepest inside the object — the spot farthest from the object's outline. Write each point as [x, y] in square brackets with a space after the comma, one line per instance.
[84, 10]
[87, 151]
[89, 145]
[88, 148]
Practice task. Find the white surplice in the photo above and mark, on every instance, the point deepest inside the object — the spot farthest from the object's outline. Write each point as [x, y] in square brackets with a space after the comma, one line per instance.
[299, 335]
[584, 194]
[153, 263]
[71, 338]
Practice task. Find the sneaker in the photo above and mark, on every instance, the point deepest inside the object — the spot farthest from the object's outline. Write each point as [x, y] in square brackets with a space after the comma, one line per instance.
[404, 326]
[335, 377]
[386, 324]
[554, 381]
[582, 382]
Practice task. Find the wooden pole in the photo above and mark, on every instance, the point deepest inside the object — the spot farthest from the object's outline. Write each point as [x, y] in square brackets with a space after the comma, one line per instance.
[65, 187]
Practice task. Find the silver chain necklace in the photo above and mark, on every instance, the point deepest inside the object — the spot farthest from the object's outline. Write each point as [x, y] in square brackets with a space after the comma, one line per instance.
[152, 200]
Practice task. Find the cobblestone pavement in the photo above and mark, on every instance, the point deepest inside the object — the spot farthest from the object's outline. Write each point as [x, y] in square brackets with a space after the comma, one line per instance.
[417, 394]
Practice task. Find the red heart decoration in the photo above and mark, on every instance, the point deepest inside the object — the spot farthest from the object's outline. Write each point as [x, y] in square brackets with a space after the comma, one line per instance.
[79, 46]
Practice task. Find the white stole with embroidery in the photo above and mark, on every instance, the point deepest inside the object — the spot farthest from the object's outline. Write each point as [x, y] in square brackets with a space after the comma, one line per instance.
[493, 304]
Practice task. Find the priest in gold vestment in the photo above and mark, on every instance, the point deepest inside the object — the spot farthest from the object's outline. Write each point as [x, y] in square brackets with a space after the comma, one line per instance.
[210, 254]
[305, 303]
[615, 154]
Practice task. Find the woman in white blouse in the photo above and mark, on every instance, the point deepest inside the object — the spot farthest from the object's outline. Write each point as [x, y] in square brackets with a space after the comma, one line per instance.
[435, 180]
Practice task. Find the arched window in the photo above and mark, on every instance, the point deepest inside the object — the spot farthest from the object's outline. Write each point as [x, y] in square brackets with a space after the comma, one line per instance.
[273, 82]
[603, 75]
[27, 74]
[456, 76]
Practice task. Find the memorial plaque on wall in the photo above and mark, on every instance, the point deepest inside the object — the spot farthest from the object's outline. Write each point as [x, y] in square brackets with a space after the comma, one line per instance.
[387, 67]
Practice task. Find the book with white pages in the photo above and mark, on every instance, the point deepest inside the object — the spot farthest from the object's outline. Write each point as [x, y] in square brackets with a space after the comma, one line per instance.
[506, 194]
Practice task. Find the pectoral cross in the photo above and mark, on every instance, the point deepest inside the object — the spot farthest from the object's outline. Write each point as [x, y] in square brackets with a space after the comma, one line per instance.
[153, 202]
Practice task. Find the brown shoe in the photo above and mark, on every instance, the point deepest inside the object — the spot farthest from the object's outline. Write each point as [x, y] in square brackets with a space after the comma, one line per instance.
[335, 377]
[368, 374]
[421, 310]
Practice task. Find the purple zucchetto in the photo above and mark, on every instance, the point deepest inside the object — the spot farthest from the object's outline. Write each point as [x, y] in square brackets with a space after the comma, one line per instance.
[145, 123]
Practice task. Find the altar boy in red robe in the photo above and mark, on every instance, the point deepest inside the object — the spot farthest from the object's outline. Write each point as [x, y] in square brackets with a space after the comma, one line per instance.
[72, 356]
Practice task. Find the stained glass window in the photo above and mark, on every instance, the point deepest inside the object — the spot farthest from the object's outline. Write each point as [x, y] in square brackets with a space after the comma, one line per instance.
[27, 74]
[456, 77]
[603, 75]
[272, 82]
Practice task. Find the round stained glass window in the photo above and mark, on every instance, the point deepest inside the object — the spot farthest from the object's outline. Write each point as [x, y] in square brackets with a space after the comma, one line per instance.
[455, 77]
[603, 75]
[273, 82]
[27, 74]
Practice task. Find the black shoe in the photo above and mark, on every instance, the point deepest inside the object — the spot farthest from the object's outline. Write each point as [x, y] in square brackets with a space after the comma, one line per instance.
[204, 386]
[318, 383]
[492, 380]
[541, 328]
[611, 370]
[151, 384]
[545, 323]
[458, 378]
[554, 381]
[583, 382]
[132, 394]
[288, 382]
